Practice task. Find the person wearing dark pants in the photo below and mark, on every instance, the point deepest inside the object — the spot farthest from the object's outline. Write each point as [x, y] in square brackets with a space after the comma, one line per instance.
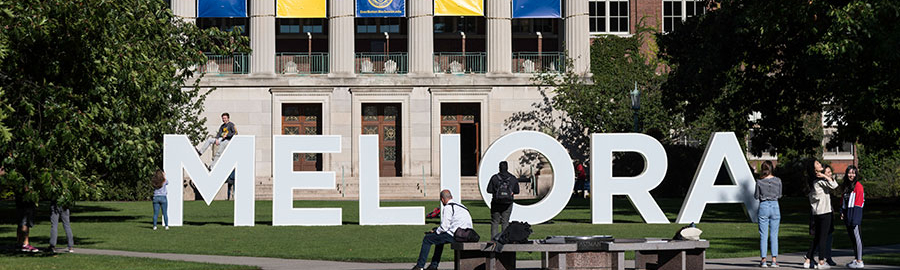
[503, 186]
[453, 216]
[853, 200]
[56, 213]
[820, 203]
[25, 217]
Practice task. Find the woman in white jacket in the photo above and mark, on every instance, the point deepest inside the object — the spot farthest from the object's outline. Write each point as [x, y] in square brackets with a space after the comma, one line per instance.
[820, 188]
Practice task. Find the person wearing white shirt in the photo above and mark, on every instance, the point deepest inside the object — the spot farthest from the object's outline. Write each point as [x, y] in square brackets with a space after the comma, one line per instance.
[453, 216]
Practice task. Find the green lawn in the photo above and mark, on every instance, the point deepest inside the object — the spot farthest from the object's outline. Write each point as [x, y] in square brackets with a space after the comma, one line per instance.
[208, 230]
[100, 262]
[882, 259]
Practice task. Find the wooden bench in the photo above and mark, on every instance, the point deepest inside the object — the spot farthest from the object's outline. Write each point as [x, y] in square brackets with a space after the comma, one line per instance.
[650, 253]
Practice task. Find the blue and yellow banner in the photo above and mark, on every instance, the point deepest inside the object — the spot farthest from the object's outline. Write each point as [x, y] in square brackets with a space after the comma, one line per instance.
[458, 7]
[221, 8]
[301, 9]
[381, 8]
[536, 9]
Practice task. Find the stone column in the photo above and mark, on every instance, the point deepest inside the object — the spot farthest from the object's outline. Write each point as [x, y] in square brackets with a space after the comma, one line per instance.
[499, 37]
[421, 38]
[578, 40]
[185, 10]
[262, 38]
[341, 38]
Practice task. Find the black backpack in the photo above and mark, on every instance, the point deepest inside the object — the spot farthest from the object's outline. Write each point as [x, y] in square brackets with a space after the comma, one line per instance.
[516, 233]
[504, 193]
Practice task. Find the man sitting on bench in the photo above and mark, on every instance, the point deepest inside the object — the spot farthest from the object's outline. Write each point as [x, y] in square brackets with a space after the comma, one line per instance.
[453, 216]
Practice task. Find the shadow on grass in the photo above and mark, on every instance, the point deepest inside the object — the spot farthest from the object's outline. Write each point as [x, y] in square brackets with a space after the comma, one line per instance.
[42, 241]
[8, 214]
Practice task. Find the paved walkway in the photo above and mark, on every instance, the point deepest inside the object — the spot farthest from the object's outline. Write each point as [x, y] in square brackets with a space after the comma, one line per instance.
[787, 261]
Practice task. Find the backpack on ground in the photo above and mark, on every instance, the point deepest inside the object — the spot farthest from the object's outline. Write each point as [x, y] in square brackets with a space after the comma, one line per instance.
[516, 233]
[504, 193]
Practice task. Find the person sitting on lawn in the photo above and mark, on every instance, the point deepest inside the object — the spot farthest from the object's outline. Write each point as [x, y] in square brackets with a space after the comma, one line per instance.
[453, 216]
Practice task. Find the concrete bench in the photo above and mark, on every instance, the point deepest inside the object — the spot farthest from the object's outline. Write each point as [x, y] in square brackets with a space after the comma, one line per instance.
[650, 253]
[481, 256]
[662, 254]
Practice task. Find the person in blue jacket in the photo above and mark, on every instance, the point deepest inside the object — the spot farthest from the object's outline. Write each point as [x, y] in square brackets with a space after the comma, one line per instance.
[853, 200]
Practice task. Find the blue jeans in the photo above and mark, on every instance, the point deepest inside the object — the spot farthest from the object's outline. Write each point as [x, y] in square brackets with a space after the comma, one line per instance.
[160, 202]
[769, 220]
[438, 240]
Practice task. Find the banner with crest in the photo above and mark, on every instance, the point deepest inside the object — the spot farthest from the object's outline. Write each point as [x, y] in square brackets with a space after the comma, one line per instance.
[381, 8]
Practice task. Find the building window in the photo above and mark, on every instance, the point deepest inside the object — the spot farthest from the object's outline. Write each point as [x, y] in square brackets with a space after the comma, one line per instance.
[609, 17]
[377, 25]
[842, 149]
[299, 26]
[676, 12]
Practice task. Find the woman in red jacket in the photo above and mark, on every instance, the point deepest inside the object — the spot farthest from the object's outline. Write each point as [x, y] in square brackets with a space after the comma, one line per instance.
[853, 200]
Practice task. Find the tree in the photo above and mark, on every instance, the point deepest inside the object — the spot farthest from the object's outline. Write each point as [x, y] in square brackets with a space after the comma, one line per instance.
[603, 103]
[790, 61]
[93, 86]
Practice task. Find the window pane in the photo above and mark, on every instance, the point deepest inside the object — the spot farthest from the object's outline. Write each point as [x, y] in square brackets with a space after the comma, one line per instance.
[593, 9]
[690, 9]
[601, 9]
[601, 25]
[614, 25]
[623, 25]
[676, 9]
[667, 9]
[613, 8]
[593, 24]
[623, 8]
[667, 22]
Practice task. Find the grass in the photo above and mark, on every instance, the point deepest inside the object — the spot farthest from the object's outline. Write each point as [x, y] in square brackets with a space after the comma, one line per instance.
[209, 230]
[101, 262]
[882, 259]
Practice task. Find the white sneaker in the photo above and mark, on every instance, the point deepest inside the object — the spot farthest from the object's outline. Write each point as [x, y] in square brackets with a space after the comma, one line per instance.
[805, 265]
[167, 228]
[773, 265]
[763, 264]
[154, 228]
[855, 265]
[823, 266]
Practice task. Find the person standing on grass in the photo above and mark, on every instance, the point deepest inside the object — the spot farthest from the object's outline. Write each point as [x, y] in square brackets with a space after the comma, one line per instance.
[819, 196]
[768, 191]
[853, 200]
[25, 217]
[453, 216]
[160, 202]
[223, 136]
[58, 212]
[503, 186]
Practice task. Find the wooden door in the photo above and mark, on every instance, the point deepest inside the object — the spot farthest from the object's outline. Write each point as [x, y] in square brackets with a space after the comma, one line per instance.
[384, 119]
[463, 119]
[305, 119]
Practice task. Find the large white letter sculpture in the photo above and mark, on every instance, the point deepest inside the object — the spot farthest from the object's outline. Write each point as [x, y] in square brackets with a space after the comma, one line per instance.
[370, 210]
[285, 180]
[723, 146]
[563, 173]
[450, 165]
[637, 188]
[178, 154]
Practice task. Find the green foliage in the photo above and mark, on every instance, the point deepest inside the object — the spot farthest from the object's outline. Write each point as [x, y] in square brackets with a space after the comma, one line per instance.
[789, 61]
[879, 172]
[94, 86]
[603, 103]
